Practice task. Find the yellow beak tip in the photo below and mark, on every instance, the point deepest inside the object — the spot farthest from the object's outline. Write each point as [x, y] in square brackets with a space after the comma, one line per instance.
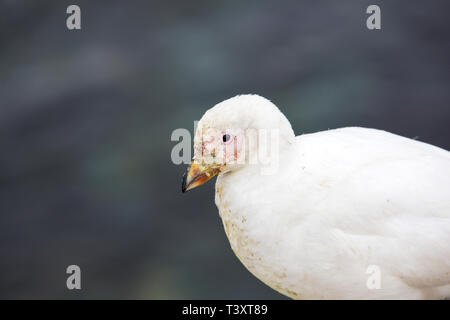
[197, 175]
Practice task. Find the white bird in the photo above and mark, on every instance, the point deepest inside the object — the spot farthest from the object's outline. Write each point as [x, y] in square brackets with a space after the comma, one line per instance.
[350, 213]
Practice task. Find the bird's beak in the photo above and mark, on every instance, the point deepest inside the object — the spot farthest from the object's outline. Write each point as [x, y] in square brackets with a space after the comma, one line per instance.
[198, 174]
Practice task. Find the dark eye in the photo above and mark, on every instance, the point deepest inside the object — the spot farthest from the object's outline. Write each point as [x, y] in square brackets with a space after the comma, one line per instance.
[226, 137]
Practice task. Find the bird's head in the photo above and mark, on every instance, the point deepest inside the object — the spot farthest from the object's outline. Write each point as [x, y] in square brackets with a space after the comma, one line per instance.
[241, 131]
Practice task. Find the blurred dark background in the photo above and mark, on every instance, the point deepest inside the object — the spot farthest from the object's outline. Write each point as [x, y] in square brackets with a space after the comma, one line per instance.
[86, 117]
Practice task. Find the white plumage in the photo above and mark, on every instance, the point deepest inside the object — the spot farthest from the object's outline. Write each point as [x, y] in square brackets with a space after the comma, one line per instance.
[340, 201]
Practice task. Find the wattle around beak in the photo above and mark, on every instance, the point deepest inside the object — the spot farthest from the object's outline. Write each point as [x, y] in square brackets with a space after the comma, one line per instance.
[198, 174]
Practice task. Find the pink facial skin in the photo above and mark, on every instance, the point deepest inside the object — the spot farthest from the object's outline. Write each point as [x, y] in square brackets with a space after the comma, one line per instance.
[232, 145]
[222, 147]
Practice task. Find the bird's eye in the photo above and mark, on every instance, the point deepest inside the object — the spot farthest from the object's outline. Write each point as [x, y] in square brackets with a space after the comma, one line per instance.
[226, 137]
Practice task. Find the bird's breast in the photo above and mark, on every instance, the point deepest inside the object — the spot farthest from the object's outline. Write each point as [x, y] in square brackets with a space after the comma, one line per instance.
[254, 235]
[235, 226]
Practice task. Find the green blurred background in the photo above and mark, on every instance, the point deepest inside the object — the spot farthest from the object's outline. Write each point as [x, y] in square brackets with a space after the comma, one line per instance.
[86, 118]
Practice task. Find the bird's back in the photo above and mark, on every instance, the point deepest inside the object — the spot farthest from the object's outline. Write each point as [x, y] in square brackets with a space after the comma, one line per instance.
[378, 165]
[384, 196]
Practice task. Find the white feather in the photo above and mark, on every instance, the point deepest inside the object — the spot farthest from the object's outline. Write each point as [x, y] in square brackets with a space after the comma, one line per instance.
[341, 201]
